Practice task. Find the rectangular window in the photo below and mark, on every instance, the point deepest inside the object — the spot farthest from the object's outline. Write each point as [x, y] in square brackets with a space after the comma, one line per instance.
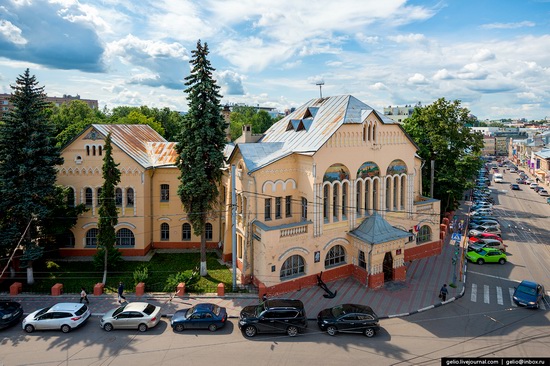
[362, 263]
[278, 201]
[304, 208]
[267, 213]
[288, 206]
[164, 193]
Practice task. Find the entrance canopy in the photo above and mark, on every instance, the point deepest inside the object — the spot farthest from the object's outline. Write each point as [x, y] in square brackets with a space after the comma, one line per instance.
[376, 230]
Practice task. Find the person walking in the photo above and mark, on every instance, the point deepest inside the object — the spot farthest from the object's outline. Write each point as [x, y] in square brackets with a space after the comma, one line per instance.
[84, 296]
[121, 292]
[443, 292]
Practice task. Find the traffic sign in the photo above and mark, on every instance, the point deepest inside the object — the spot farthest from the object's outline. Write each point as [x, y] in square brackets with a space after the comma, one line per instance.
[456, 236]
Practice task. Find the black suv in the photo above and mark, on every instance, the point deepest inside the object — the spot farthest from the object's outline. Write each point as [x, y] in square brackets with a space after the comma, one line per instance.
[273, 316]
[352, 318]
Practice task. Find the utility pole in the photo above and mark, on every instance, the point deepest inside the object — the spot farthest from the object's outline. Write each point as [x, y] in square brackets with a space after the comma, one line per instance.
[320, 83]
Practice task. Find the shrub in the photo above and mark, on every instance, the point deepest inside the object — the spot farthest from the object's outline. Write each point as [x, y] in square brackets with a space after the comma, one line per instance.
[189, 277]
[141, 274]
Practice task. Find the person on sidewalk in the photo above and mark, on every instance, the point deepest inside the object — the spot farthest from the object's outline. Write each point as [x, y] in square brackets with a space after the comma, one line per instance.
[84, 296]
[121, 292]
[443, 292]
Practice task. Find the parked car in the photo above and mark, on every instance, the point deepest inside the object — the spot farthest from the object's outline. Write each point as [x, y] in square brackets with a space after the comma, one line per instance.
[348, 318]
[133, 315]
[491, 229]
[528, 294]
[201, 316]
[513, 170]
[484, 223]
[273, 316]
[486, 255]
[64, 316]
[483, 211]
[484, 235]
[533, 185]
[520, 181]
[10, 313]
[515, 187]
[537, 188]
[543, 192]
[487, 243]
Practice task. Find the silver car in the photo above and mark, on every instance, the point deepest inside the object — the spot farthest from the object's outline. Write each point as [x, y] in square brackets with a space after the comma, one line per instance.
[134, 315]
[64, 316]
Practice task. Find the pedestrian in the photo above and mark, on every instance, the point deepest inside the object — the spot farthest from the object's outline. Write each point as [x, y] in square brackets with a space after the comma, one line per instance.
[451, 227]
[443, 292]
[120, 292]
[84, 296]
[264, 297]
[461, 226]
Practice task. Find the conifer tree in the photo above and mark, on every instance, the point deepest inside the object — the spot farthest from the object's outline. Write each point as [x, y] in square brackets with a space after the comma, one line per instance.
[200, 146]
[28, 157]
[107, 253]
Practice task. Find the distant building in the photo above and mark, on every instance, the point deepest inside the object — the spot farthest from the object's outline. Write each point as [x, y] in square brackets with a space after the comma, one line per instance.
[5, 104]
[399, 114]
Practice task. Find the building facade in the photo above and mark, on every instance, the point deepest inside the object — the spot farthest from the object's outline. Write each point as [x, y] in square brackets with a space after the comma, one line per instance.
[5, 104]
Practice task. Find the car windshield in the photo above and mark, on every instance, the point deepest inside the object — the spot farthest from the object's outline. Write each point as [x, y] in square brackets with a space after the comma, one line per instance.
[149, 309]
[338, 311]
[260, 308]
[482, 252]
[43, 311]
[81, 311]
[527, 290]
[119, 310]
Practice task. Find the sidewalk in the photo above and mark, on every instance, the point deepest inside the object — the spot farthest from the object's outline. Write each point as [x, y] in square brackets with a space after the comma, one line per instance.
[419, 292]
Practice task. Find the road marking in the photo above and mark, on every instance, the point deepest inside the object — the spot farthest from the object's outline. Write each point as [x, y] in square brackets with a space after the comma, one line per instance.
[541, 305]
[473, 297]
[497, 277]
[511, 290]
[500, 301]
[486, 294]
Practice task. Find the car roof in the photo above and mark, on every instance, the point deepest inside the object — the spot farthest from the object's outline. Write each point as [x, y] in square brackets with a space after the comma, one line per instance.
[205, 307]
[356, 308]
[283, 303]
[136, 306]
[528, 283]
[66, 306]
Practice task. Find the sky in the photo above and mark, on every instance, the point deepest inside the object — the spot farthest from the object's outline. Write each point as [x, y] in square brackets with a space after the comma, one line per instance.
[492, 55]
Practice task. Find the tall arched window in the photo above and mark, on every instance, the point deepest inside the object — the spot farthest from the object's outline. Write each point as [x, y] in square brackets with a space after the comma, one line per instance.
[358, 198]
[89, 198]
[335, 202]
[325, 202]
[208, 232]
[125, 237]
[91, 237]
[70, 197]
[335, 256]
[424, 235]
[395, 190]
[388, 193]
[164, 231]
[368, 183]
[375, 195]
[403, 182]
[118, 197]
[130, 197]
[294, 266]
[344, 201]
[98, 196]
[186, 232]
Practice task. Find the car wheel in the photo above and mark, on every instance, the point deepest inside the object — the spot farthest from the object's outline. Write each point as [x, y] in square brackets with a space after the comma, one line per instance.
[29, 328]
[108, 327]
[212, 327]
[250, 331]
[65, 328]
[502, 261]
[480, 261]
[179, 327]
[142, 327]
[332, 330]
[369, 332]
[292, 331]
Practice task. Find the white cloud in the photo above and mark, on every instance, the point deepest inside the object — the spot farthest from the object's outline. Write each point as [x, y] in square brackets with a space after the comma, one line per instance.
[230, 82]
[378, 86]
[443, 74]
[407, 38]
[508, 25]
[472, 71]
[417, 79]
[483, 55]
[11, 33]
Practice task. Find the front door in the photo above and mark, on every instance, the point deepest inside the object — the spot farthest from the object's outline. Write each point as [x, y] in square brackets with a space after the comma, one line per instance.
[388, 267]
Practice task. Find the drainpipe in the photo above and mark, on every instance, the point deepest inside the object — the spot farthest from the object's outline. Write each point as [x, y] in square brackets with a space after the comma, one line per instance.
[369, 264]
[234, 227]
[151, 204]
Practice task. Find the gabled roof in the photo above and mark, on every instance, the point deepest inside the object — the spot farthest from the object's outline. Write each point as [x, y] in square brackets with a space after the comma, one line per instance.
[140, 142]
[307, 129]
[376, 230]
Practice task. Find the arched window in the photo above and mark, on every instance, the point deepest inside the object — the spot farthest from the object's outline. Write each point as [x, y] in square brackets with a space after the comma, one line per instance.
[66, 240]
[208, 231]
[368, 183]
[388, 193]
[294, 266]
[368, 169]
[335, 202]
[395, 190]
[70, 197]
[118, 197]
[89, 197]
[99, 197]
[358, 198]
[100, 149]
[325, 202]
[125, 238]
[397, 167]
[93, 150]
[130, 197]
[424, 235]
[186, 232]
[336, 172]
[403, 182]
[375, 195]
[335, 256]
[91, 237]
[164, 231]
[344, 200]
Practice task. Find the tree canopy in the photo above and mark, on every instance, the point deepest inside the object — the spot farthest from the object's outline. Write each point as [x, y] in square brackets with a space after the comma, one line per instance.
[441, 133]
[260, 120]
[200, 145]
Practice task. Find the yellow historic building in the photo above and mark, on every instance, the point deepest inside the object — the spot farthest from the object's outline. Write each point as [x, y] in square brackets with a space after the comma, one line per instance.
[333, 188]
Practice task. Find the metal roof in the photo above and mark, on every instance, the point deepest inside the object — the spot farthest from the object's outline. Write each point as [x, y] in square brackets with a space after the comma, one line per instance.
[306, 129]
[143, 144]
[376, 230]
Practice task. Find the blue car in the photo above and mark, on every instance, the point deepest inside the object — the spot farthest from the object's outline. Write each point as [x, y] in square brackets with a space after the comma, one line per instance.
[201, 316]
[528, 294]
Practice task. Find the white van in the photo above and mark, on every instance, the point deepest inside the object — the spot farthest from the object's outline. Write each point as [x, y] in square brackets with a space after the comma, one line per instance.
[497, 177]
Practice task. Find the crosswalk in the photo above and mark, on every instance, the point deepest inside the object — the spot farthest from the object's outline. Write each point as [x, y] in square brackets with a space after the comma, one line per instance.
[487, 295]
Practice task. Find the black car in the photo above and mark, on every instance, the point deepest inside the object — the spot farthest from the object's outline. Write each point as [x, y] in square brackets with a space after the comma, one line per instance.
[350, 318]
[10, 313]
[273, 316]
[515, 187]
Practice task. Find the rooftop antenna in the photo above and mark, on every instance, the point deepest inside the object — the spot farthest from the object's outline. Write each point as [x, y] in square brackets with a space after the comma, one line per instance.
[320, 83]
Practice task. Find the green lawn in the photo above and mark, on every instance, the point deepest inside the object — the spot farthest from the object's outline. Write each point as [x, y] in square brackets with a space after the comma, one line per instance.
[74, 275]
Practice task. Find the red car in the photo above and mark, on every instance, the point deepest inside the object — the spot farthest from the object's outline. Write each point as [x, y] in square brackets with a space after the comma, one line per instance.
[473, 239]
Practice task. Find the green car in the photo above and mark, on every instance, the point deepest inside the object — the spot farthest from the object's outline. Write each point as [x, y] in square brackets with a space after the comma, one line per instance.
[486, 255]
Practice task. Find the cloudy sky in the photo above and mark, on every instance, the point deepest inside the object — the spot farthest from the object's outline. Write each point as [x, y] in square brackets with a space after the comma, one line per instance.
[493, 55]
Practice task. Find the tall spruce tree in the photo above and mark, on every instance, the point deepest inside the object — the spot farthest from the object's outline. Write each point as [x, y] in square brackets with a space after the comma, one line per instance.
[108, 215]
[28, 156]
[200, 146]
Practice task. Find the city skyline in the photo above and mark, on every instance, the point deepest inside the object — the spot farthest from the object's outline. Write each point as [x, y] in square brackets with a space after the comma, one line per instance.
[491, 55]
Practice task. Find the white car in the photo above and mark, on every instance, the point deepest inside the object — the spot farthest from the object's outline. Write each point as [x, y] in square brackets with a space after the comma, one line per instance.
[533, 185]
[490, 229]
[134, 315]
[544, 192]
[64, 316]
